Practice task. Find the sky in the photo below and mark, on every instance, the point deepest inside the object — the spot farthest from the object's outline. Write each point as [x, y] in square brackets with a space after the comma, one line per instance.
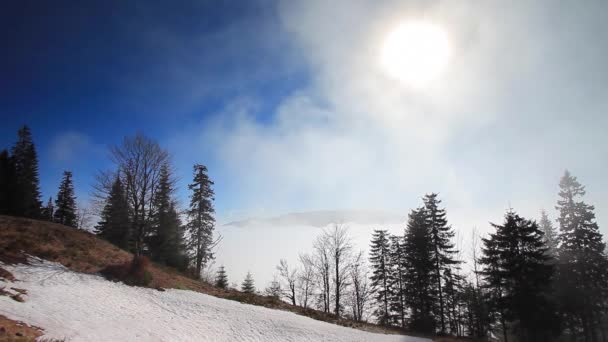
[286, 103]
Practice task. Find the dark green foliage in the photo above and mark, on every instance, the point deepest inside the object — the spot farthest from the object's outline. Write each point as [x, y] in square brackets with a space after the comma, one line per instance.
[25, 195]
[6, 180]
[380, 279]
[115, 225]
[518, 277]
[420, 294]
[442, 253]
[582, 263]
[65, 203]
[221, 279]
[166, 243]
[48, 211]
[397, 283]
[201, 218]
[248, 285]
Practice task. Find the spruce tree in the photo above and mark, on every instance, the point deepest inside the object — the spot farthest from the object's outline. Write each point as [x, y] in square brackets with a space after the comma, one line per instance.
[397, 282]
[221, 279]
[418, 250]
[582, 261]
[6, 181]
[248, 285]
[65, 204]
[201, 218]
[115, 225]
[443, 250]
[166, 241]
[48, 211]
[380, 278]
[25, 197]
[516, 264]
[551, 236]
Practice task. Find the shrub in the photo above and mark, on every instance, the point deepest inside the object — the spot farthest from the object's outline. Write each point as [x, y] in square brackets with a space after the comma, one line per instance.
[134, 273]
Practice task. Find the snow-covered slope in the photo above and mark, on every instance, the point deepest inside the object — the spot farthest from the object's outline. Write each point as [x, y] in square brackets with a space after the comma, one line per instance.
[84, 307]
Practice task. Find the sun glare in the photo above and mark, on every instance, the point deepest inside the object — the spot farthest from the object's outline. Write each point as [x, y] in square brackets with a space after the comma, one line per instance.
[415, 53]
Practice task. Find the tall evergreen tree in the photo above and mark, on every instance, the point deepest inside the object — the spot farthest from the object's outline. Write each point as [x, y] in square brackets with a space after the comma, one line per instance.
[248, 285]
[201, 218]
[6, 181]
[380, 278]
[115, 224]
[418, 250]
[48, 211]
[25, 198]
[583, 264]
[551, 236]
[443, 250]
[221, 279]
[65, 204]
[398, 268]
[166, 240]
[516, 264]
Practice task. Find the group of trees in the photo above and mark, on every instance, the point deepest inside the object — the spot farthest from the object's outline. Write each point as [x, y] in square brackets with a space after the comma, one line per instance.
[530, 283]
[20, 186]
[139, 211]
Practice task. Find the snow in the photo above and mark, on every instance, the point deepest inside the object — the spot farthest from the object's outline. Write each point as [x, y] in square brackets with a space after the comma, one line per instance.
[85, 307]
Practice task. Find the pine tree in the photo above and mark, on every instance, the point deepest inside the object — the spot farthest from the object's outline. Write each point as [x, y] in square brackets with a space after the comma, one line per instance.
[48, 211]
[166, 243]
[380, 279]
[516, 264]
[221, 280]
[443, 249]
[418, 250]
[6, 180]
[582, 262]
[115, 224]
[248, 286]
[397, 282]
[551, 237]
[65, 204]
[25, 197]
[201, 220]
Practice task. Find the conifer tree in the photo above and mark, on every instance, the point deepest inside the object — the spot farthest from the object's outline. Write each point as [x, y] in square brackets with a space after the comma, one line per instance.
[6, 180]
[443, 250]
[25, 197]
[380, 278]
[201, 220]
[398, 268]
[551, 237]
[418, 250]
[248, 285]
[583, 263]
[221, 279]
[48, 211]
[115, 224]
[65, 204]
[515, 263]
[166, 241]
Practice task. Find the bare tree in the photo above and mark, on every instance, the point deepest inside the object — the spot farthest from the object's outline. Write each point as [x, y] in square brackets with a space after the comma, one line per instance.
[322, 262]
[84, 217]
[290, 277]
[360, 292]
[340, 248]
[306, 279]
[138, 163]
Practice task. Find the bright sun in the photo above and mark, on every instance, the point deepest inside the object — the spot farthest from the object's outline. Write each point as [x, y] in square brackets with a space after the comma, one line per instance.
[415, 53]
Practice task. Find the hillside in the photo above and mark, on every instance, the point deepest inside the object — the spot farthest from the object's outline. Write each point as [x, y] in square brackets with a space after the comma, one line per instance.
[82, 255]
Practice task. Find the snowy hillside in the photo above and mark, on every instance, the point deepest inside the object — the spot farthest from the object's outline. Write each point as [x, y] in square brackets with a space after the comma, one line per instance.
[83, 307]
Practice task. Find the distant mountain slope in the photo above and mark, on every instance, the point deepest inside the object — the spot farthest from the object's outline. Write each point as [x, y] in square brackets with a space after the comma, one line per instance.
[85, 307]
[322, 218]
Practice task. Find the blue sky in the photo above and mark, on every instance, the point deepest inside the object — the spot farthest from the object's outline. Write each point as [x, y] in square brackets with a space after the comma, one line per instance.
[286, 104]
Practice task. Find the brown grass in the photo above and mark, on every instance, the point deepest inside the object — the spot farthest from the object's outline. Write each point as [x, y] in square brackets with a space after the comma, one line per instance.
[82, 251]
[17, 331]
